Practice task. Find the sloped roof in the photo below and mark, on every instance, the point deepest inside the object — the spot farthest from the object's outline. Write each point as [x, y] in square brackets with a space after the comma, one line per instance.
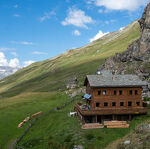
[109, 80]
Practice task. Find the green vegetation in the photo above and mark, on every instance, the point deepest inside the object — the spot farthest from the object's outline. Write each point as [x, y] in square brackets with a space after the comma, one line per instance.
[146, 99]
[14, 110]
[41, 87]
[139, 138]
[57, 130]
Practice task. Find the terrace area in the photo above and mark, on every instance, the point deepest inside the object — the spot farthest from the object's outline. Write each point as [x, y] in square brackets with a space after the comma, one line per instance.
[83, 109]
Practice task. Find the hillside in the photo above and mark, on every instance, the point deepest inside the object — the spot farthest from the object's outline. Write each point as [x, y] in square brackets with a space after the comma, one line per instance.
[42, 87]
[52, 74]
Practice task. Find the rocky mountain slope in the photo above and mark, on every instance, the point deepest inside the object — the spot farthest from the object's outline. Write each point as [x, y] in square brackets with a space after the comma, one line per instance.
[136, 59]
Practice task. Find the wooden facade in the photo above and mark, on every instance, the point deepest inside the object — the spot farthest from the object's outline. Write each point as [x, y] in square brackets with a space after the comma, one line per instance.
[115, 97]
[111, 103]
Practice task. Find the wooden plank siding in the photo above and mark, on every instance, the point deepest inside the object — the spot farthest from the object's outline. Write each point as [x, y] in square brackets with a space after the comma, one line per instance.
[125, 97]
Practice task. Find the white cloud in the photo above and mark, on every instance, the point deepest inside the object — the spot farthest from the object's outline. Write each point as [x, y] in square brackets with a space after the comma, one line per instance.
[15, 6]
[67, 1]
[76, 33]
[5, 48]
[14, 63]
[100, 11]
[3, 60]
[89, 2]
[26, 43]
[77, 18]
[109, 21]
[39, 53]
[104, 11]
[17, 15]
[27, 63]
[14, 53]
[47, 15]
[98, 35]
[106, 22]
[22, 42]
[121, 28]
[130, 5]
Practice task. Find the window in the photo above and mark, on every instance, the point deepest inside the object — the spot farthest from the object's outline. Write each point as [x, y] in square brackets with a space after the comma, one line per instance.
[99, 93]
[129, 103]
[130, 92]
[115, 92]
[104, 92]
[105, 104]
[120, 92]
[136, 92]
[121, 103]
[138, 103]
[113, 104]
[97, 104]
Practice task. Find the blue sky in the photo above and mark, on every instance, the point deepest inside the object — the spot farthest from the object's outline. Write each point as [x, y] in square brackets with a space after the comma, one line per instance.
[34, 30]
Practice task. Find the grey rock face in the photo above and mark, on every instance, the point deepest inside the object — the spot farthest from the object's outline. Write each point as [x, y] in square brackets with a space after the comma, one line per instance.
[145, 29]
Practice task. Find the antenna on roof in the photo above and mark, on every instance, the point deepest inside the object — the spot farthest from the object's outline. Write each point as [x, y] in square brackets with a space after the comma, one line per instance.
[113, 72]
[98, 72]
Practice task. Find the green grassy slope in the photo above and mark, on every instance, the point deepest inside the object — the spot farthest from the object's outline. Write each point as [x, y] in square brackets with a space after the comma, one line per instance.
[41, 86]
[14, 110]
[58, 131]
[52, 74]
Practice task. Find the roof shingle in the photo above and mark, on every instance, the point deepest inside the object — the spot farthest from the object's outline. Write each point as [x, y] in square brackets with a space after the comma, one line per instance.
[109, 80]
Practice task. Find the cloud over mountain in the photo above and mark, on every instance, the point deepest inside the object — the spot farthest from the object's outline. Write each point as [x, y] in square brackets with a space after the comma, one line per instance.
[98, 35]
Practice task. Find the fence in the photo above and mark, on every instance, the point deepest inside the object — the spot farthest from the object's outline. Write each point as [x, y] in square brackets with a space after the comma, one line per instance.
[35, 119]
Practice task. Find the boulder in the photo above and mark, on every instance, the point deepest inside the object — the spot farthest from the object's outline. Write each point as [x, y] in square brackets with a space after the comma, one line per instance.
[72, 83]
[78, 147]
[127, 142]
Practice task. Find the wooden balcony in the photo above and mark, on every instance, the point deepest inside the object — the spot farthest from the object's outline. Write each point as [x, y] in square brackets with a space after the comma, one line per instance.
[83, 109]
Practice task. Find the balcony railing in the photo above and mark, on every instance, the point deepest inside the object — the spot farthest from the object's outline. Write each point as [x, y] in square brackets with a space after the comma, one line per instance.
[106, 111]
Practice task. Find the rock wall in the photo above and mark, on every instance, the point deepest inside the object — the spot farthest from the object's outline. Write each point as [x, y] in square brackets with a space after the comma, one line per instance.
[145, 30]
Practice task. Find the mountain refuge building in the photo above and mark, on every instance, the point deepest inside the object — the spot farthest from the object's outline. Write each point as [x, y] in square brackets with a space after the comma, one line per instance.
[111, 97]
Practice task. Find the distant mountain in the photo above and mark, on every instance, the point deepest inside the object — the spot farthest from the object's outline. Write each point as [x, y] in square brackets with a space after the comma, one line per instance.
[6, 71]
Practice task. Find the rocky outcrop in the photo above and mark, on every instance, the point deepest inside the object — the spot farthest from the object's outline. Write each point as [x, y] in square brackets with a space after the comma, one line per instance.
[136, 59]
[145, 30]
[72, 83]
